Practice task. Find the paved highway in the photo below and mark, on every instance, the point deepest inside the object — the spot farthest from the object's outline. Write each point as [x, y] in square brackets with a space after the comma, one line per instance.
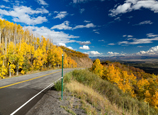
[16, 91]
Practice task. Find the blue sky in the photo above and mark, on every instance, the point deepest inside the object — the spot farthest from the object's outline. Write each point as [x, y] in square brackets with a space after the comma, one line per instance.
[95, 27]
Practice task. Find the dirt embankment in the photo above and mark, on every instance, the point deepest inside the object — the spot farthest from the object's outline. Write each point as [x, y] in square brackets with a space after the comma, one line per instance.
[83, 61]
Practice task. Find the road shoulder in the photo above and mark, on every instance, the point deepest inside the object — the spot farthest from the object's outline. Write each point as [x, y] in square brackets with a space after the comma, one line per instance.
[51, 104]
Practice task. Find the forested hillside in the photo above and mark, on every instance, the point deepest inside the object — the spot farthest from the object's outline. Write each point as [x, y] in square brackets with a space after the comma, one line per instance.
[133, 81]
[21, 51]
[81, 59]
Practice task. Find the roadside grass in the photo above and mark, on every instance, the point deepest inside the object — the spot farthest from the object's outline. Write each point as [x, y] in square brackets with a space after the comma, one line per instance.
[68, 110]
[101, 97]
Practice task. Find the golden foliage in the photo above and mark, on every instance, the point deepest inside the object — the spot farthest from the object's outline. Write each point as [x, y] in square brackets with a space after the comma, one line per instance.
[20, 51]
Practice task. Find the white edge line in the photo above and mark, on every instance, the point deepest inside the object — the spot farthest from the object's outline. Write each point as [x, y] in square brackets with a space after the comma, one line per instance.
[33, 97]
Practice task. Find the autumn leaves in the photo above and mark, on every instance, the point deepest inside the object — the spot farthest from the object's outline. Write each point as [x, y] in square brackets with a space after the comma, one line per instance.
[24, 52]
[133, 81]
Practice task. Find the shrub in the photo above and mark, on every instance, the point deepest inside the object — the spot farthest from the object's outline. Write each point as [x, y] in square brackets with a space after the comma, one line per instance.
[112, 92]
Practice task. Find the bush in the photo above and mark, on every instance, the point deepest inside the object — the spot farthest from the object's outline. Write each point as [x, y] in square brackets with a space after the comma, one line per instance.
[112, 92]
[57, 86]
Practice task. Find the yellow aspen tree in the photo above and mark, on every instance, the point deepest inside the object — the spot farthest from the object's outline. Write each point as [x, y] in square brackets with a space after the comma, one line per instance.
[97, 68]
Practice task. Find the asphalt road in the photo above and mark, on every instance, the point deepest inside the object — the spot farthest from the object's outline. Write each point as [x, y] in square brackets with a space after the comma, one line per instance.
[15, 91]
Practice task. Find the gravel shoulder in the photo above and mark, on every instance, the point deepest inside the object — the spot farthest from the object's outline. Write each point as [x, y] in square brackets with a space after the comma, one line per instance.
[51, 104]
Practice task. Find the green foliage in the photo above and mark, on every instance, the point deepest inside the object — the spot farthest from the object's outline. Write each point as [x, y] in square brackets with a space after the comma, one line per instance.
[57, 86]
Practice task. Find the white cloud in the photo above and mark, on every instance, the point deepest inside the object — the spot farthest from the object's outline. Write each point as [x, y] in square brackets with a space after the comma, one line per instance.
[131, 5]
[70, 48]
[61, 44]
[61, 14]
[84, 43]
[82, 10]
[25, 14]
[90, 25]
[87, 21]
[97, 32]
[1, 18]
[129, 36]
[63, 26]
[145, 22]
[152, 35]
[113, 53]
[56, 36]
[6, 0]
[93, 53]
[118, 18]
[139, 46]
[124, 35]
[2, 6]
[84, 1]
[84, 47]
[139, 41]
[151, 51]
[79, 1]
[42, 2]
[111, 44]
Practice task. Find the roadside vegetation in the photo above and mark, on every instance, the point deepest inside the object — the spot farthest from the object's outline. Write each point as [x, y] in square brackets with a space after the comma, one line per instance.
[99, 96]
[22, 52]
[113, 88]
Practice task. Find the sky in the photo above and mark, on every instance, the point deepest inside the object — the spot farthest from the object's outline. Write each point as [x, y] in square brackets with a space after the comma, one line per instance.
[94, 27]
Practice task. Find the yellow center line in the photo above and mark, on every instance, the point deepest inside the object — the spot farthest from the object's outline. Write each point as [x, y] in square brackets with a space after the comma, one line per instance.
[26, 80]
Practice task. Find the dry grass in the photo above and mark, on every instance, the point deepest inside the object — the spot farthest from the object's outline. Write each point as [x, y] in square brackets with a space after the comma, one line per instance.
[99, 104]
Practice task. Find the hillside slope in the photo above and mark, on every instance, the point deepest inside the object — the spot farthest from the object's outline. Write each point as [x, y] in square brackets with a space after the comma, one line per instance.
[81, 59]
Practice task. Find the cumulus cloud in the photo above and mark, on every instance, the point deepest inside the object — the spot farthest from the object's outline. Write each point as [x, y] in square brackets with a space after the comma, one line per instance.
[113, 53]
[131, 5]
[25, 14]
[42, 2]
[61, 15]
[151, 51]
[70, 48]
[141, 41]
[93, 53]
[56, 36]
[84, 47]
[90, 25]
[63, 26]
[61, 44]
[84, 43]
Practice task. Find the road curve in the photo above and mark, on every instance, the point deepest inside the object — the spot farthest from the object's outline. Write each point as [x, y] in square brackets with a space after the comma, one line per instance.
[14, 92]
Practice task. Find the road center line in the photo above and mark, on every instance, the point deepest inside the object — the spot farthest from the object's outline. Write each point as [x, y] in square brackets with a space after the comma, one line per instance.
[26, 80]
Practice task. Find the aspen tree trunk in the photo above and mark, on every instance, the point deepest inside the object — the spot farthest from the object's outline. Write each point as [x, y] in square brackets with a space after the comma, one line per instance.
[17, 69]
[5, 45]
[0, 37]
[9, 72]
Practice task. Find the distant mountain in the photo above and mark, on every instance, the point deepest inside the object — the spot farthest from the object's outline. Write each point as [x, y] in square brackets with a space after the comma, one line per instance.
[125, 57]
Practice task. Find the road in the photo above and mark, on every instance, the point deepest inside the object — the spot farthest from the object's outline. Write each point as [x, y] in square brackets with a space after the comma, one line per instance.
[14, 92]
